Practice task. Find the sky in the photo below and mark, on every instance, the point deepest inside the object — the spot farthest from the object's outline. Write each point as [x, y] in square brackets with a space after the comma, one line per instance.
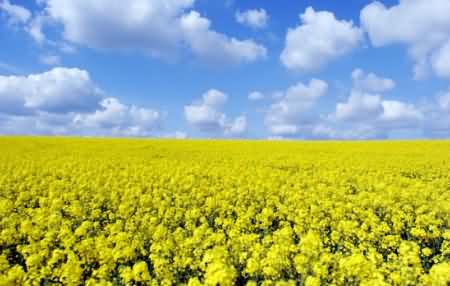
[226, 69]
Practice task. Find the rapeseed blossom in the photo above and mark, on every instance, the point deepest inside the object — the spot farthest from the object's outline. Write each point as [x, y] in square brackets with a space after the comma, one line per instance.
[161, 212]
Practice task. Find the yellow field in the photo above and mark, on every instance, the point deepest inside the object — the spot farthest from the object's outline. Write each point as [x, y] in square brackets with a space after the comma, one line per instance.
[161, 212]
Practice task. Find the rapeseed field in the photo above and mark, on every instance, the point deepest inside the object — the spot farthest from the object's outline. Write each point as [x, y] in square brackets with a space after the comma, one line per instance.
[166, 212]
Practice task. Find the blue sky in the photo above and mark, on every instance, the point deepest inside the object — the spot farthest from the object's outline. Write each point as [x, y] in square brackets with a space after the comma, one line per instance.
[226, 69]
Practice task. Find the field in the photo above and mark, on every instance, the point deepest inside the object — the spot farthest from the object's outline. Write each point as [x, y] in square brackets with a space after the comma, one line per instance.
[161, 212]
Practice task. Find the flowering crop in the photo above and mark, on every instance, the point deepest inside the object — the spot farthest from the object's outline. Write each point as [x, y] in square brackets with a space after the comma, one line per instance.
[162, 212]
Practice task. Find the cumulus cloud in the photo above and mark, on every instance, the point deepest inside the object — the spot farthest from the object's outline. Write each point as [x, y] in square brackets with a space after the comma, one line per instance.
[372, 108]
[370, 82]
[423, 26]
[204, 117]
[120, 119]
[255, 96]
[359, 106]
[441, 61]
[358, 131]
[284, 129]
[366, 102]
[366, 114]
[38, 124]
[437, 120]
[237, 127]
[214, 98]
[216, 47]
[161, 29]
[319, 39]
[180, 135]
[59, 90]
[254, 18]
[176, 135]
[397, 111]
[287, 115]
[208, 117]
[67, 101]
[137, 24]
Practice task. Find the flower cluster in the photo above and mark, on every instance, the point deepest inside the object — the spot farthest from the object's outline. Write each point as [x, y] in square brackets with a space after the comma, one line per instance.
[161, 212]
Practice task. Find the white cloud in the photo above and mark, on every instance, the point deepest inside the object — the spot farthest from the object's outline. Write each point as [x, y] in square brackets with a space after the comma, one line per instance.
[291, 110]
[204, 117]
[441, 61]
[366, 114]
[120, 119]
[284, 129]
[437, 119]
[59, 90]
[319, 39]
[67, 101]
[39, 124]
[138, 24]
[158, 28]
[207, 115]
[358, 131]
[215, 47]
[17, 14]
[237, 127]
[11, 98]
[400, 112]
[255, 18]
[359, 106]
[370, 82]
[51, 60]
[395, 24]
[175, 135]
[214, 98]
[366, 103]
[161, 29]
[276, 138]
[255, 96]
[424, 26]
[179, 135]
